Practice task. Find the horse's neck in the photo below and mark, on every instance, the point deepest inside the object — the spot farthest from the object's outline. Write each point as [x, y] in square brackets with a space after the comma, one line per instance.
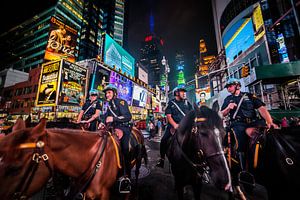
[73, 153]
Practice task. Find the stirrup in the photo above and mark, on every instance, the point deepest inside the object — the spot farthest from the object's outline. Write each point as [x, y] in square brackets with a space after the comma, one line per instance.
[124, 185]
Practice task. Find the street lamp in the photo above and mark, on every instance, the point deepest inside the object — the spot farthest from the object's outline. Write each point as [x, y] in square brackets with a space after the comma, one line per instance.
[164, 62]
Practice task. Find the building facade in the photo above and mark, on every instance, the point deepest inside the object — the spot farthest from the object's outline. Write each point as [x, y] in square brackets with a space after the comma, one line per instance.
[258, 36]
[24, 46]
[150, 58]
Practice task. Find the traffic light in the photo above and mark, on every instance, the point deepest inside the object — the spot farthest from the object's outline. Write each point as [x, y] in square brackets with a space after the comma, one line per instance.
[245, 71]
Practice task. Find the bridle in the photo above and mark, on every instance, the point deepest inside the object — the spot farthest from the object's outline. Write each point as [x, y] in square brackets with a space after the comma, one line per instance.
[202, 169]
[37, 156]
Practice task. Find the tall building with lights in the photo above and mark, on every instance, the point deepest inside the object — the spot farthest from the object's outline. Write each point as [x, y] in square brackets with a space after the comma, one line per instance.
[179, 62]
[25, 46]
[150, 58]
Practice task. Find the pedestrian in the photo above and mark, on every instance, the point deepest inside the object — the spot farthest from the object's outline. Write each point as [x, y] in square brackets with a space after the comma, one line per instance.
[159, 127]
[284, 122]
[177, 108]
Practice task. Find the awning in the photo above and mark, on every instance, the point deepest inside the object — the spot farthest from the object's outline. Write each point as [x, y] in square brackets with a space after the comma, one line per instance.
[277, 73]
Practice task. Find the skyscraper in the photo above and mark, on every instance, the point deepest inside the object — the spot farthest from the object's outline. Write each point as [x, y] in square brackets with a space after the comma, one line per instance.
[24, 46]
[151, 56]
[179, 59]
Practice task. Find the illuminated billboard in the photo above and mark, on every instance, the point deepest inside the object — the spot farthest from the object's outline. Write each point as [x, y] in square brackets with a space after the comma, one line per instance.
[238, 39]
[48, 85]
[73, 84]
[115, 55]
[62, 41]
[124, 86]
[202, 95]
[258, 23]
[99, 79]
[139, 97]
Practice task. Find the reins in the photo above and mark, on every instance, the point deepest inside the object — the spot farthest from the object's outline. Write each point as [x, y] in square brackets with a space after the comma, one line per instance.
[38, 155]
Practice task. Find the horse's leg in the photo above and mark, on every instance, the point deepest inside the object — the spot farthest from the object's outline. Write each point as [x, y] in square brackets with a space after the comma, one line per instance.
[138, 163]
[197, 191]
[180, 192]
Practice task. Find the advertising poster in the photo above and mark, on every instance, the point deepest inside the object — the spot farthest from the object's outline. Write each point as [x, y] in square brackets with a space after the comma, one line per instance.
[115, 55]
[258, 23]
[202, 95]
[124, 86]
[62, 41]
[139, 97]
[73, 84]
[99, 79]
[48, 85]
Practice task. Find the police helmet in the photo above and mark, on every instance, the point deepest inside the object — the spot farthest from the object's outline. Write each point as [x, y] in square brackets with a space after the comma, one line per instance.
[178, 89]
[110, 87]
[233, 81]
[93, 92]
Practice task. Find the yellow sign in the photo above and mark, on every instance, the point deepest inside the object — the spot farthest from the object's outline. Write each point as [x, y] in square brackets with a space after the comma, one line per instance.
[48, 85]
[258, 23]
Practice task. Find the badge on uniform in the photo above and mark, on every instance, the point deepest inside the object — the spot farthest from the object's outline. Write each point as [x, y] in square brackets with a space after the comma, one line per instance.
[122, 103]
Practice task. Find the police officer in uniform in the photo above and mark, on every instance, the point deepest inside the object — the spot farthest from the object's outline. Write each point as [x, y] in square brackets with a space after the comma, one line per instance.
[241, 108]
[119, 116]
[177, 108]
[90, 111]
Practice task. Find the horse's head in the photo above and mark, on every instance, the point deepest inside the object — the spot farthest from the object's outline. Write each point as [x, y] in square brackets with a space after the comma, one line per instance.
[201, 132]
[20, 154]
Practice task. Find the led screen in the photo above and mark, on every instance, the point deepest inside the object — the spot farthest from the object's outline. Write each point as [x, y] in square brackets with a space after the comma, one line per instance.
[139, 97]
[238, 39]
[115, 55]
[124, 86]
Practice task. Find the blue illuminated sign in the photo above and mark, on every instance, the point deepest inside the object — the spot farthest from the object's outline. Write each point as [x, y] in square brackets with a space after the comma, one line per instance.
[115, 55]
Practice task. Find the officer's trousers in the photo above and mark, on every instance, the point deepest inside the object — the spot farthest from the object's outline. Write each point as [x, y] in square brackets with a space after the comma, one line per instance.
[93, 126]
[239, 129]
[164, 142]
[125, 149]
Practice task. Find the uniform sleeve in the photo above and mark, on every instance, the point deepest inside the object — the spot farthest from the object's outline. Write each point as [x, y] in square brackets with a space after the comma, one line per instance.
[85, 106]
[190, 106]
[256, 101]
[98, 106]
[225, 103]
[168, 109]
[125, 115]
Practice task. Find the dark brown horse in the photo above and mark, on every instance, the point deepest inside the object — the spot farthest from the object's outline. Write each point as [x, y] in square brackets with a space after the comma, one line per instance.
[196, 154]
[29, 157]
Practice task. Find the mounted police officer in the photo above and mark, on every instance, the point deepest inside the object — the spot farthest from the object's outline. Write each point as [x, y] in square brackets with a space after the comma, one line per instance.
[119, 116]
[241, 108]
[177, 108]
[90, 111]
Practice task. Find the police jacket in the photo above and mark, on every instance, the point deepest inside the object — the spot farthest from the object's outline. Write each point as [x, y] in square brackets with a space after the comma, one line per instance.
[90, 108]
[247, 109]
[175, 112]
[119, 110]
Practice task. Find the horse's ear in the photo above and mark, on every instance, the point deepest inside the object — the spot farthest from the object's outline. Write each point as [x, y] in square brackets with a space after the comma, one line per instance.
[19, 125]
[40, 127]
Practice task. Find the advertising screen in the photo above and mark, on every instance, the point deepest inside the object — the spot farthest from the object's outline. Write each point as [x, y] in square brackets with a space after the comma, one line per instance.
[73, 84]
[62, 41]
[124, 86]
[139, 97]
[115, 55]
[202, 95]
[48, 84]
[238, 39]
[99, 79]
[143, 75]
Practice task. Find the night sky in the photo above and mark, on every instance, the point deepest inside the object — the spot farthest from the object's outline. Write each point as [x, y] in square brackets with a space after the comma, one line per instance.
[180, 23]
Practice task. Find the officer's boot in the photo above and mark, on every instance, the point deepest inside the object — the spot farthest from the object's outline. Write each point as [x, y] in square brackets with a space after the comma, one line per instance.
[160, 163]
[125, 183]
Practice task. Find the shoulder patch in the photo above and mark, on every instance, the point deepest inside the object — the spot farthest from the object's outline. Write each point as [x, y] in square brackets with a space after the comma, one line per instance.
[122, 103]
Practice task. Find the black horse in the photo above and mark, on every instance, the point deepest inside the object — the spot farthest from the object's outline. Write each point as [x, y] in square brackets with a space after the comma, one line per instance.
[277, 157]
[196, 154]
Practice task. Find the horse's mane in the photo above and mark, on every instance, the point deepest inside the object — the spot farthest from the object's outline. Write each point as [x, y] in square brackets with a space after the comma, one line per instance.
[212, 119]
